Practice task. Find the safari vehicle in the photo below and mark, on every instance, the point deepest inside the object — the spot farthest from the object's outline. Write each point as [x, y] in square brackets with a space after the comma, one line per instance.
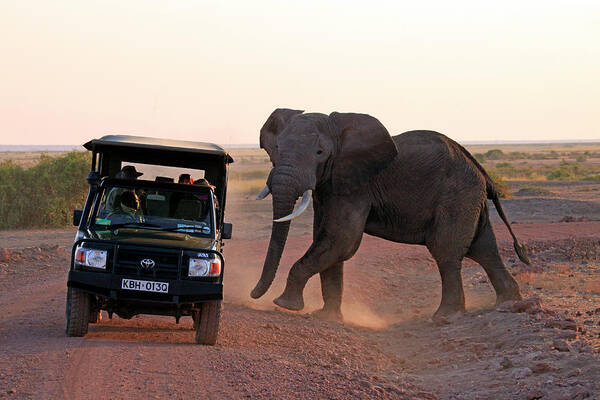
[161, 255]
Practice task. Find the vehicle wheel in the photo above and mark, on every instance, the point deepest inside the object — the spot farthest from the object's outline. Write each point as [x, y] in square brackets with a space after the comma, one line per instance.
[78, 312]
[207, 323]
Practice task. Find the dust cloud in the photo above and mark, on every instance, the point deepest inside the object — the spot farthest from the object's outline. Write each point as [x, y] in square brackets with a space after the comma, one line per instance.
[361, 315]
[239, 284]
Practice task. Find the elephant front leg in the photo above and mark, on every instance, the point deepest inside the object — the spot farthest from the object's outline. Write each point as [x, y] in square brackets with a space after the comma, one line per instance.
[324, 254]
[318, 257]
[332, 286]
[292, 298]
[335, 241]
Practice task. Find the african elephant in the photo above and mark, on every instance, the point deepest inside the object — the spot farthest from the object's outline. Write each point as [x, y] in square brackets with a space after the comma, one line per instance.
[419, 187]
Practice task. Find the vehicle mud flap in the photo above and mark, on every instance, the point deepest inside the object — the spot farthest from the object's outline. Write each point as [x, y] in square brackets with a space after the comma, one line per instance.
[178, 312]
[95, 312]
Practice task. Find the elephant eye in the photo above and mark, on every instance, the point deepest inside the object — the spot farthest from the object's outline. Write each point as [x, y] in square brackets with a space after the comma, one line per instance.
[319, 151]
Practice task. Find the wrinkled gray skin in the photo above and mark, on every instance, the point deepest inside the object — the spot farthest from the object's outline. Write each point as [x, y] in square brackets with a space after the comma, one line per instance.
[419, 187]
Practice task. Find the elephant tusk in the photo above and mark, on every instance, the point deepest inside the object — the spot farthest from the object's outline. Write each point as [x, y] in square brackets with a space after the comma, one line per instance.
[301, 208]
[263, 193]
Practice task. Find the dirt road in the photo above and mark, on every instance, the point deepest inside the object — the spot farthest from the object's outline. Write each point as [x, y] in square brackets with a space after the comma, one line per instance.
[388, 347]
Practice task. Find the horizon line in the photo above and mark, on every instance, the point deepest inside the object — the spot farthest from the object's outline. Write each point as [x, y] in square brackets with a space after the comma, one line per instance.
[65, 147]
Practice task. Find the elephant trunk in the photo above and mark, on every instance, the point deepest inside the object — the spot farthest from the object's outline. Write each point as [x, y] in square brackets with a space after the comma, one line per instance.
[283, 188]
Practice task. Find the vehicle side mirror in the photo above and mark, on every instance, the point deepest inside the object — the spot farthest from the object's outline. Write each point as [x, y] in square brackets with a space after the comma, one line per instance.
[227, 229]
[77, 217]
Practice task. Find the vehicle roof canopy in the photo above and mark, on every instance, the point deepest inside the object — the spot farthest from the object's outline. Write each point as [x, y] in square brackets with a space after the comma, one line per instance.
[114, 150]
[110, 143]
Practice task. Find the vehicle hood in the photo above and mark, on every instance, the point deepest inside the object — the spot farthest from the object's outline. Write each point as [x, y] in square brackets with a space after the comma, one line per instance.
[147, 236]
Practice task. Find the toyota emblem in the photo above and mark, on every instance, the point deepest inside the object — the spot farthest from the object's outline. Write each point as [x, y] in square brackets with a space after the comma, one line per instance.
[147, 263]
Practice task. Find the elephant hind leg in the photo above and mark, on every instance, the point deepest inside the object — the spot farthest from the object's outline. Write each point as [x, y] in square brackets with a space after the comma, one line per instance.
[453, 295]
[484, 250]
[332, 286]
[448, 243]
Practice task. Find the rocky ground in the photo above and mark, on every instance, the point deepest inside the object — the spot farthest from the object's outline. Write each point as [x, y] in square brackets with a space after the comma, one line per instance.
[545, 347]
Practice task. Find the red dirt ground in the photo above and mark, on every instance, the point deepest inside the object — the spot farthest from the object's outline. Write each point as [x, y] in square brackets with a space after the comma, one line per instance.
[547, 348]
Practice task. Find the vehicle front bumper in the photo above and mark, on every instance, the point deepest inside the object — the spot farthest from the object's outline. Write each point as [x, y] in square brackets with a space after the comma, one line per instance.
[108, 286]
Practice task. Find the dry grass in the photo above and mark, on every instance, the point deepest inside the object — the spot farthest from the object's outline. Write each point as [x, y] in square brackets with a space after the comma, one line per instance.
[551, 279]
[535, 147]
[562, 279]
[28, 159]
[247, 187]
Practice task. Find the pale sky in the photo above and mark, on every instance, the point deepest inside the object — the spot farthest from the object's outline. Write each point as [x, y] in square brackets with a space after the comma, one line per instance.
[214, 70]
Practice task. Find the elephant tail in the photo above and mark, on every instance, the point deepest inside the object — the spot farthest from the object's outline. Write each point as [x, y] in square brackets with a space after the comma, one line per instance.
[492, 194]
[519, 248]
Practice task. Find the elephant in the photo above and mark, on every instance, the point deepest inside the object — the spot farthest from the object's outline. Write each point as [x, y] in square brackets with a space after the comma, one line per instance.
[419, 187]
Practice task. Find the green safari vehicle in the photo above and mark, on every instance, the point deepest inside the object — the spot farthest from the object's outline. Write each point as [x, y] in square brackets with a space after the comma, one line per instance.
[150, 238]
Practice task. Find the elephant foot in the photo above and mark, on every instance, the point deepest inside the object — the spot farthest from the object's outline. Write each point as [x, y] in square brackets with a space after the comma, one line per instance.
[287, 302]
[509, 296]
[328, 315]
[445, 311]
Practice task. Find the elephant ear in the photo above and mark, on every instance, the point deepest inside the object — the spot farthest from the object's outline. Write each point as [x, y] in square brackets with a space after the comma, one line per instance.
[364, 148]
[274, 125]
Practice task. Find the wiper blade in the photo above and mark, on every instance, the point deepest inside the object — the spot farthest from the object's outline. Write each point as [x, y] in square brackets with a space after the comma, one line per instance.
[133, 224]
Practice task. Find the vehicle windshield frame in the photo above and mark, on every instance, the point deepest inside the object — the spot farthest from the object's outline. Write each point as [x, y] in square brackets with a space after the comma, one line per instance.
[108, 183]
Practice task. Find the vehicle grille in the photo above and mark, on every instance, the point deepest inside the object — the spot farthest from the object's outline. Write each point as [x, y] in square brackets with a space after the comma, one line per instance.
[128, 262]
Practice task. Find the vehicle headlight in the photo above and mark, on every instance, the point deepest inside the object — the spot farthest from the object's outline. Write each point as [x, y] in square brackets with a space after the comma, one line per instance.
[204, 267]
[91, 258]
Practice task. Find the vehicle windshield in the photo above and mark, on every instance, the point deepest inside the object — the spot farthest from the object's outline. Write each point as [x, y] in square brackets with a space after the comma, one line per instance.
[165, 208]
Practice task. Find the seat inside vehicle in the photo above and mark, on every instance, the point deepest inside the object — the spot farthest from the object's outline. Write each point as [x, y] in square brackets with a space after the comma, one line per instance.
[164, 179]
[157, 204]
[189, 209]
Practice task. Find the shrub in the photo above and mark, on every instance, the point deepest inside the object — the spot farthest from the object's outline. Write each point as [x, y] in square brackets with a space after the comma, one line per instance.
[518, 155]
[581, 158]
[565, 171]
[531, 190]
[44, 195]
[501, 187]
[508, 170]
[479, 157]
[494, 154]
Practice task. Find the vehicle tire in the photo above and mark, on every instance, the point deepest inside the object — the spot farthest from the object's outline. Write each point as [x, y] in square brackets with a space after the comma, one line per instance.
[207, 323]
[78, 312]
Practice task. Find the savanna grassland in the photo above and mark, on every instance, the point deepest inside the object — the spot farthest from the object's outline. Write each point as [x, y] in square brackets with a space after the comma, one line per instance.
[509, 162]
[546, 347]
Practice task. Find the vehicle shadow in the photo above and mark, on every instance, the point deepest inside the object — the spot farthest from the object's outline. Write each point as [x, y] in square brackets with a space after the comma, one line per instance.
[142, 330]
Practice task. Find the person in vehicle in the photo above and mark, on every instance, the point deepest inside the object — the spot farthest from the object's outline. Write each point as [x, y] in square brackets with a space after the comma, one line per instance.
[205, 182]
[112, 198]
[128, 172]
[185, 179]
[176, 197]
[128, 208]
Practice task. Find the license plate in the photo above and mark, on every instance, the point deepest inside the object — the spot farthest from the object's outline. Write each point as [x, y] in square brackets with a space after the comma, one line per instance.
[145, 286]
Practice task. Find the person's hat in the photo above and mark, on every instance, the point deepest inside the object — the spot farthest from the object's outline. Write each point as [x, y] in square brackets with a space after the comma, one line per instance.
[128, 172]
